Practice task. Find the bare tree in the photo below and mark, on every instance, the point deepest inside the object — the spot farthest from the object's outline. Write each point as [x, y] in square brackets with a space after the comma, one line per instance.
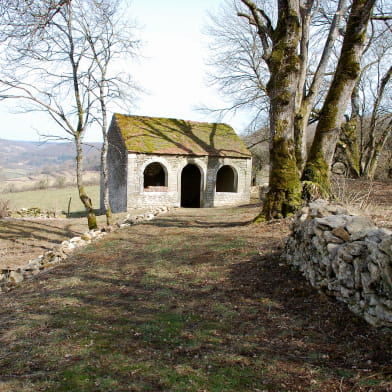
[380, 128]
[285, 49]
[238, 70]
[365, 131]
[63, 71]
[295, 78]
[110, 39]
[27, 20]
[318, 166]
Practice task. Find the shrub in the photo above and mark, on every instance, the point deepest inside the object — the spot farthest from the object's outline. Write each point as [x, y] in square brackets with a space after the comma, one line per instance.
[354, 197]
[9, 188]
[43, 184]
[60, 182]
[4, 208]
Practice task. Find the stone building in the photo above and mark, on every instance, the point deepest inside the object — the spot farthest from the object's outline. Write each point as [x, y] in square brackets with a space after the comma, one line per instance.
[169, 162]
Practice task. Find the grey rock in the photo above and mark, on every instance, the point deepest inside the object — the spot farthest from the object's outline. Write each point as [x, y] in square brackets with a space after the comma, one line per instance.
[356, 248]
[386, 245]
[16, 276]
[383, 313]
[333, 221]
[359, 226]
[332, 248]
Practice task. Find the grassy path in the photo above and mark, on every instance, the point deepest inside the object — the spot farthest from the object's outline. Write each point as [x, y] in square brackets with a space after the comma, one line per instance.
[197, 300]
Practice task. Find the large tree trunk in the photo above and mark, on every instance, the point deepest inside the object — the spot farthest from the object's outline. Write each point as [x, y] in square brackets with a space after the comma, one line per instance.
[318, 166]
[91, 218]
[284, 195]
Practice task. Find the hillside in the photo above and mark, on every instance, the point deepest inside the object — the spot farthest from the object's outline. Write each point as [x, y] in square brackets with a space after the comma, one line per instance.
[20, 159]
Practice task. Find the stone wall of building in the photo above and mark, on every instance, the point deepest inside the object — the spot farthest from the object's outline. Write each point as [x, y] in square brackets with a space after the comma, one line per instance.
[117, 161]
[170, 194]
[346, 256]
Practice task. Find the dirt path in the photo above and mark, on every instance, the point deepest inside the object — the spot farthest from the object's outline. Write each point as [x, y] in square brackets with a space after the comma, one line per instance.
[24, 239]
[196, 300]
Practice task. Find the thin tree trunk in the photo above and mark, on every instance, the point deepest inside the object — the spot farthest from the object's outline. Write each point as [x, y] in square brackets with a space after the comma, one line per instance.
[104, 167]
[91, 218]
[318, 166]
[78, 134]
[376, 152]
[306, 105]
[347, 148]
[374, 147]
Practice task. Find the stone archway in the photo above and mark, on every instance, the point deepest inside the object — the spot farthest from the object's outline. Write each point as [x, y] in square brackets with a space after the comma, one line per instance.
[190, 186]
[226, 179]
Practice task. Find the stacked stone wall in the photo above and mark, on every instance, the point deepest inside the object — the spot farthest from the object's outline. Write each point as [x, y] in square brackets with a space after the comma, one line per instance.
[346, 256]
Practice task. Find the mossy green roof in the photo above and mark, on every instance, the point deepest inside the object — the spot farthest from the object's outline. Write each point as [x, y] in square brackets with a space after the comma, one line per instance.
[152, 135]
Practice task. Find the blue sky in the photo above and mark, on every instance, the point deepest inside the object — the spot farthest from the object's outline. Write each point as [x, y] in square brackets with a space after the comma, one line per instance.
[173, 71]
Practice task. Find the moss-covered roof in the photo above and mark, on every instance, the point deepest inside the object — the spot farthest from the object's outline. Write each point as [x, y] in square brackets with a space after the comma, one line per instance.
[152, 135]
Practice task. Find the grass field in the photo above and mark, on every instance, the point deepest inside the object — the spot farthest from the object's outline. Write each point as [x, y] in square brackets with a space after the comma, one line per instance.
[52, 198]
[14, 173]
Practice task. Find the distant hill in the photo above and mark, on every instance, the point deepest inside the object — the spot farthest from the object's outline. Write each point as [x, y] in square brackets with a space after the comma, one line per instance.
[19, 158]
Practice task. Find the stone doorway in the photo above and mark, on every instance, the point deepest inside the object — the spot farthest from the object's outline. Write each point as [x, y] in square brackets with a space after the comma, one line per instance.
[190, 186]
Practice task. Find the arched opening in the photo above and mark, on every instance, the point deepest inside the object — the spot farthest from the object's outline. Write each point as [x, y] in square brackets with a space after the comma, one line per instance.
[226, 180]
[154, 177]
[190, 186]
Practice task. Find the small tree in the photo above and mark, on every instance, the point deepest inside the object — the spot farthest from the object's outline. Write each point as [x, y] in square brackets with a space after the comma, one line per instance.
[109, 39]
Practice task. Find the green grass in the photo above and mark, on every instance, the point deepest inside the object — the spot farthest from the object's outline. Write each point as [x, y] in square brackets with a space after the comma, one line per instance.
[52, 198]
[160, 307]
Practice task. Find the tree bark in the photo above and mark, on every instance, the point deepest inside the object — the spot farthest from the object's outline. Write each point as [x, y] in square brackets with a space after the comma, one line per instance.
[374, 147]
[104, 166]
[80, 130]
[305, 105]
[318, 166]
[284, 195]
[347, 148]
[91, 218]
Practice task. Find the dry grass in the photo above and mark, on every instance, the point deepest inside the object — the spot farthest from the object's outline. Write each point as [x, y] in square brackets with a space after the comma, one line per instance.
[371, 198]
[196, 300]
[24, 239]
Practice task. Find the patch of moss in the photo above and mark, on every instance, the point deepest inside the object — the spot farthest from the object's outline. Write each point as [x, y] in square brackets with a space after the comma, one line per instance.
[316, 177]
[171, 136]
[284, 196]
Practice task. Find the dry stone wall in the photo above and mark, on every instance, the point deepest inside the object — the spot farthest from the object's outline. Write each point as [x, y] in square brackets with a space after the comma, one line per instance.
[345, 255]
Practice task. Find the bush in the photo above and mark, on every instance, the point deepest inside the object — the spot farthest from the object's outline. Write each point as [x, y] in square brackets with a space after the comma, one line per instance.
[9, 188]
[60, 182]
[4, 208]
[356, 197]
[43, 184]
